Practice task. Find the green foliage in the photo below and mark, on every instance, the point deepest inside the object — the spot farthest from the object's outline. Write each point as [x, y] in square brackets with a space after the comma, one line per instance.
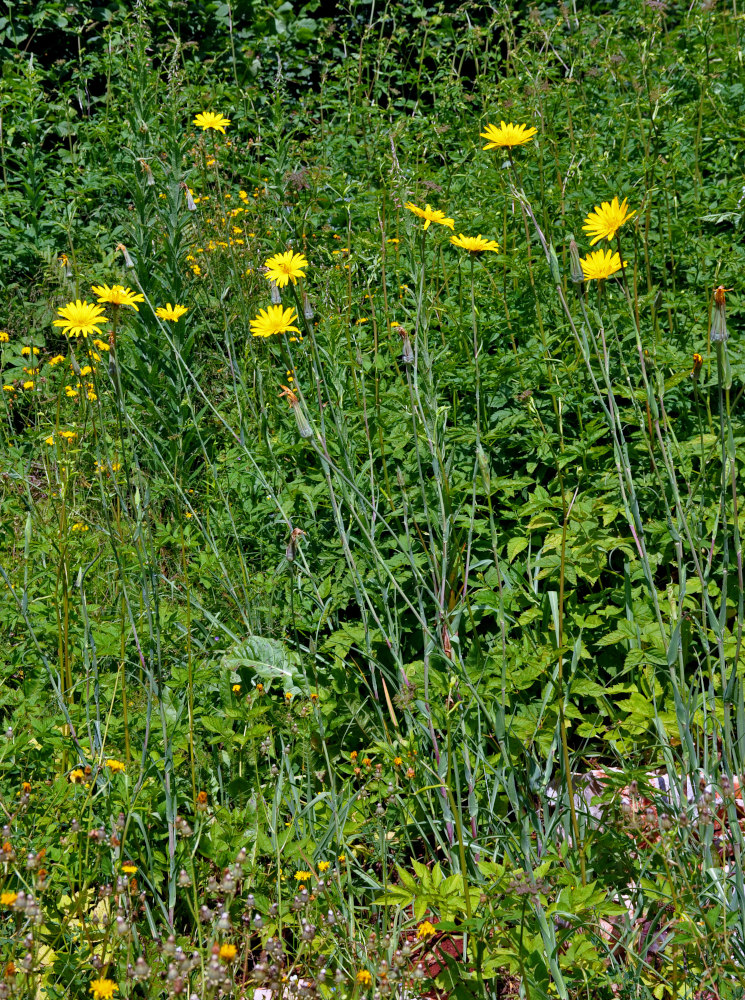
[433, 605]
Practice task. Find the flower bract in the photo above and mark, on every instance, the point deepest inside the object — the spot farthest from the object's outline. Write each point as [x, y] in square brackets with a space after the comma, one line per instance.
[118, 295]
[273, 320]
[80, 318]
[474, 244]
[507, 135]
[604, 222]
[430, 215]
[171, 313]
[285, 267]
[600, 264]
[208, 119]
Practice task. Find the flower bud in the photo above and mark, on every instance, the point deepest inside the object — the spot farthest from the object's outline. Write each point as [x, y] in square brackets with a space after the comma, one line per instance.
[719, 316]
[575, 268]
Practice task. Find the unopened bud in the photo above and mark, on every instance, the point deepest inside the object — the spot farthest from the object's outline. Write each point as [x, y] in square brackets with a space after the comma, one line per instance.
[719, 316]
[575, 268]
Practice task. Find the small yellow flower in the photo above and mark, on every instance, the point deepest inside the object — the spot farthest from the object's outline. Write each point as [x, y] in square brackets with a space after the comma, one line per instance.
[100, 345]
[303, 876]
[103, 989]
[397, 761]
[236, 689]
[430, 215]
[364, 978]
[77, 776]
[9, 388]
[600, 264]
[79, 526]
[285, 267]
[118, 295]
[4, 338]
[208, 119]
[49, 440]
[8, 898]
[68, 435]
[323, 866]
[28, 385]
[425, 930]
[605, 221]
[27, 351]
[115, 765]
[507, 135]
[228, 952]
[474, 244]
[57, 359]
[172, 313]
[70, 392]
[129, 869]
[273, 320]
[80, 318]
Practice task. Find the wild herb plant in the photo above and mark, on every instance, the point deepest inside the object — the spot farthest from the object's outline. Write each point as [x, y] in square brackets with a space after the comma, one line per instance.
[371, 520]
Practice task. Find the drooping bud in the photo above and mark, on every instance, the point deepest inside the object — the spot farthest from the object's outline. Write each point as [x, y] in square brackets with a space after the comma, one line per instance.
[719, 316]
[147, 170]
[303, 426]
[274, 294]
[128, 262]
[697, 363]
[190, 203]
[291, 550]
[307, 308]
[407, 351]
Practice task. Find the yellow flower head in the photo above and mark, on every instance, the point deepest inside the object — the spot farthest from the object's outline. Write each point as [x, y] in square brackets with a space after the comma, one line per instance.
[507, 135]
[171, 313]
[430, 215]
[600, 264]
[103, 989]
[80, 318]
[323, 866]
[118, 295]
[364, 978]
[208, 119]
[68, 435]
[57, 359]
[303, 876]
[26, 351]
[115, 765]
[285, 267]
[273, 320]
[8, 898]
[425, 930]
[129, 869]
[605, 221]
[236, 689]
[228, 952]
[100, 345]
[28, 385]
[49, 440]
[474, 244]
[79, 526]
[77, 776]
[4, 338]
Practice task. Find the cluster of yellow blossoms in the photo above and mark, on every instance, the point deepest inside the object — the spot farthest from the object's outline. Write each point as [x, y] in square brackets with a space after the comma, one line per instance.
[603, 223]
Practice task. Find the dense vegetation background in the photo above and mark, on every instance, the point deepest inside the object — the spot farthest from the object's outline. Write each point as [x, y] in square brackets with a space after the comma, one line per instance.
[401, 654]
